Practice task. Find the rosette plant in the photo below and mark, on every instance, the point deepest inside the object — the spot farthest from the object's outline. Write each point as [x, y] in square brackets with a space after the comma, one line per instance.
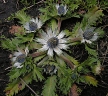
[50, 60]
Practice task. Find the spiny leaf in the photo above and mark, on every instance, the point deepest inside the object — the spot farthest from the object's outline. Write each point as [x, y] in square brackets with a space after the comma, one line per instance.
[90, 80]
[60, 62]
[38, 58]
[92, 16]
[14, 74]
[8, 44]
[37, 75]
[65, 81]
[100, 32]
[22, 16]
[49, 87]
[15, 86]
[92, 20]
[89, 61]
[91, 51]
[71, 59]
[76, 29]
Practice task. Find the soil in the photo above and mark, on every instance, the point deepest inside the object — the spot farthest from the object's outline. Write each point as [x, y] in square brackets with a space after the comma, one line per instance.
[11, 6]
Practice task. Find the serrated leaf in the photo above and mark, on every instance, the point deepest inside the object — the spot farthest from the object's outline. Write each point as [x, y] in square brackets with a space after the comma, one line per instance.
[89, 61]
[38, 58]
[49, 87]
[8, 44]
[60, 62]
[15, 86]
[95, 17]
[37, 75]
[65, 81]
[92, 16]
[90, 80]
[71, 59]
[100, 32]
[91, 51]
[22, 16]
[14, 74]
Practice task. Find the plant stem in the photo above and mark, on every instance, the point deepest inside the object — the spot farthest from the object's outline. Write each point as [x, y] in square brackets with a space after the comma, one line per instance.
[68, 61]
[36, 54]
[29, 87]
[74, 39]
[59, 24]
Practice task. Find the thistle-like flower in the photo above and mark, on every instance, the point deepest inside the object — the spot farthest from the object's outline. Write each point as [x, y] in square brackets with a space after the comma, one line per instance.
[19, 57]
[50, 69]
[88, 35]
[97, 69]
[52, 42]
[33, 25]
[61, 9]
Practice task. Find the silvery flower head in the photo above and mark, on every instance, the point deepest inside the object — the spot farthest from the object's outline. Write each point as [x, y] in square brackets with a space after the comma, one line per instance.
[88, 35]
[52, 41]
[33, 25]
[19, 57]
[50, 69]
[61, 9]
[98, 69]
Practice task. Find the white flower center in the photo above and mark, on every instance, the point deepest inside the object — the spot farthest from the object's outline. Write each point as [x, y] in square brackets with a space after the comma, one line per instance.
[61, 10]
[88, 34]
[53, 42]
[21, 58]
[32, 26]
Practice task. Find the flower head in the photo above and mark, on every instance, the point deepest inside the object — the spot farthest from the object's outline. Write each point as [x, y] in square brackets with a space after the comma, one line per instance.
[19, 57]
[97, 69]
[88, 35]
[50, 69]
[33, 25]
[61, 9]
[52, 42]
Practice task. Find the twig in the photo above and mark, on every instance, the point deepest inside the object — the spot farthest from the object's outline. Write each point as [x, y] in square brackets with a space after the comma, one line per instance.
[29, 87]
[105, 55]
[8, 67]
[35, 4]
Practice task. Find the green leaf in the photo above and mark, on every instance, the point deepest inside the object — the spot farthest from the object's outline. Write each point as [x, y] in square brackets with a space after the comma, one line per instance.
[65, 81]
[49, 87]
[60, 62]
[14, 74]
[53, 24]
[91, 51]
[90, 80]
[37, 75]
[100, 32]
[8, 44]
[89, 61]
[92, 16]
[71, 59]
[16, 85]
[22, 16]
[38, 58]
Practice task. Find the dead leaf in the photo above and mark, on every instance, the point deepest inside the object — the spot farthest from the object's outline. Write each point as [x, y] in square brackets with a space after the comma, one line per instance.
[15, 29]
[73, 91]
